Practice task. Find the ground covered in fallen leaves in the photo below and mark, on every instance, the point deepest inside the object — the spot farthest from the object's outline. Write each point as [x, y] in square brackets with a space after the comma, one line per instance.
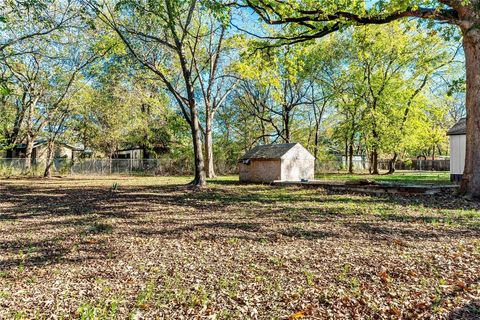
[149, 248]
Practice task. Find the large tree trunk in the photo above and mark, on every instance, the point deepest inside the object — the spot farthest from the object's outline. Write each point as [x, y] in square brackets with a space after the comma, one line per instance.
[350, 158]
[49, 162]
[375, 161]
[210, 172]
[470, 185]
[200, 176]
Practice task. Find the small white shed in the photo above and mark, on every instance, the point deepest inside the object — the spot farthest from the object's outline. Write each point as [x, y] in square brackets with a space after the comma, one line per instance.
[277, 162]
[135, 153]
[458, 147]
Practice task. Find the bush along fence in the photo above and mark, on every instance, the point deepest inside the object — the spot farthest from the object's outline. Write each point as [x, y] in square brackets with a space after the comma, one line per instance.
[165, 167]
[363, 166]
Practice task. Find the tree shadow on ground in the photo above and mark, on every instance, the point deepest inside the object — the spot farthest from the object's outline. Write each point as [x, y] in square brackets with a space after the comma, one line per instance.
[75, 214]
[469, 311]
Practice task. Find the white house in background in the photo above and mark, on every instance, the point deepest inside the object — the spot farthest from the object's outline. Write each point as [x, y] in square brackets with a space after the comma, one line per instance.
[458, 145]
[62, 150]
[285, 162]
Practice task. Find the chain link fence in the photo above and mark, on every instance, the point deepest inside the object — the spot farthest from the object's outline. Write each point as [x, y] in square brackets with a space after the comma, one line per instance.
[363, 166]
[165, 167]
[154, 167]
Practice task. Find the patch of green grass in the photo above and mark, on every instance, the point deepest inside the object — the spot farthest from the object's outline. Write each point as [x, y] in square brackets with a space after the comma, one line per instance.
[4, 295]
[99, 228]
[309, 277]
[147, 294]
[403, 177]
[107, 309]
[199, 296]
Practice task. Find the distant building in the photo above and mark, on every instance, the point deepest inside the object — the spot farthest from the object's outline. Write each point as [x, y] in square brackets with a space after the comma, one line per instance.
[458, 145]
[62, 150]
[136, 153]
[285, 162]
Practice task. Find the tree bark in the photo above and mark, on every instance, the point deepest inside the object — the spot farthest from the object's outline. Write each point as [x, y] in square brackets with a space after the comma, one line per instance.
[350, 158]
[391, 164]
[49, 162]
[315, 149]
[433, 158]
[200, 176]
[27, 168]
[30, 137]
[470, 185]
[375, 161]
[210, 172]
[286, 126]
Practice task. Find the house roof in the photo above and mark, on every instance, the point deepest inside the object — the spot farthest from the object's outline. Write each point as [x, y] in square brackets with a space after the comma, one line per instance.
[42, 142]
[269, 151]
[459, 128]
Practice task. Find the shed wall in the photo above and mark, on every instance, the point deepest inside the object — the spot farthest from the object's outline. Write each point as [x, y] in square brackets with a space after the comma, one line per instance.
[298, 164]
[130, 154]
[260, 171]
[457, 154]
[297, 169]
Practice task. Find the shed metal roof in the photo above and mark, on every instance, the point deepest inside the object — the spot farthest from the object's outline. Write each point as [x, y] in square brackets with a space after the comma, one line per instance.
[459, 128]
[269, 151]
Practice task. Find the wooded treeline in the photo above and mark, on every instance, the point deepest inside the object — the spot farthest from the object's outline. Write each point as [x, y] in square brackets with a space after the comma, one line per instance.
[183, 80]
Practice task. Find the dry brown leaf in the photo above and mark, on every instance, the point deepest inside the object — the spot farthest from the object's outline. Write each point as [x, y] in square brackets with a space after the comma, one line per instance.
[297, 315]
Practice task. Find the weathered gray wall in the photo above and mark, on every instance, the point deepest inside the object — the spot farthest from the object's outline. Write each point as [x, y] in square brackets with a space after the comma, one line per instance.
[457, 154]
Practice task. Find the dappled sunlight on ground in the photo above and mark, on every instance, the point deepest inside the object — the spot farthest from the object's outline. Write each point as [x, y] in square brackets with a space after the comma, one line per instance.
[154, 248]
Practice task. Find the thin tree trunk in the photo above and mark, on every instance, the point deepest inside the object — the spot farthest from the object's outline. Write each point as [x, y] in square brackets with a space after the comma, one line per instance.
[350, 158]
[391, 164]
[286, 127]
[27, 168]
[346, 151]
[315, 149]
[264, 132]
[375, 152]
[370, 161]
[210, 172]
[433, 158]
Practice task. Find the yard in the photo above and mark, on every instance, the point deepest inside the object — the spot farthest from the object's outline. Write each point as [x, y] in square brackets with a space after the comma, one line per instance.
[146, 248]
[400, 177]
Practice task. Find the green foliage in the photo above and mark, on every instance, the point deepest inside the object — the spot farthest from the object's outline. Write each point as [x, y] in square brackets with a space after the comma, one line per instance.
[102, 310]
[354, 88]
